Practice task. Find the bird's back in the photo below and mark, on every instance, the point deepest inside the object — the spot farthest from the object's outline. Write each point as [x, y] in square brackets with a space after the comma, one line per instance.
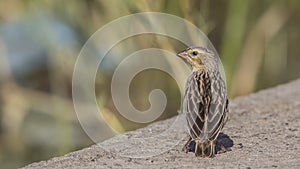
[205, 105]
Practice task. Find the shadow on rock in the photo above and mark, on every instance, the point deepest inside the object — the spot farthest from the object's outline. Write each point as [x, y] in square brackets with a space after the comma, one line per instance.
[222, 140]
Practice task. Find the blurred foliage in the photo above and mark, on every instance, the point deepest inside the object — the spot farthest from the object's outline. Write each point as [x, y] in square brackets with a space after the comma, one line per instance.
[257, 41]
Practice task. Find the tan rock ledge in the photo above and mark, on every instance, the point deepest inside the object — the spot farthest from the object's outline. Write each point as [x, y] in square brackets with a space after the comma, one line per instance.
[264, 127]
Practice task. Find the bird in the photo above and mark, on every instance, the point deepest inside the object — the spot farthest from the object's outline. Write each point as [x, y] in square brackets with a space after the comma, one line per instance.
[205, 101]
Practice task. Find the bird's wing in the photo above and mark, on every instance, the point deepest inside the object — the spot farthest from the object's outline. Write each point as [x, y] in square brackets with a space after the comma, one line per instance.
[218, 106]
[204, 104]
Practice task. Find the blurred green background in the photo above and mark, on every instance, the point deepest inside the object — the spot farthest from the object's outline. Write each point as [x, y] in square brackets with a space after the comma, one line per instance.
[257, 40]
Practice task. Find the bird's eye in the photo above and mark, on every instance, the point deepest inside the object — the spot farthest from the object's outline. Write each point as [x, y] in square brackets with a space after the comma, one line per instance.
[194, 53]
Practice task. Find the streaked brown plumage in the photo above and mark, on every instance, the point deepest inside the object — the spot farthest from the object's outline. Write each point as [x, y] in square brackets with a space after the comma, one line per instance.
[205, 101]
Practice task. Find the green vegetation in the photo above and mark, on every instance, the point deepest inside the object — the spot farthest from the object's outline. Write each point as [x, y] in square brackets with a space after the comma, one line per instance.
[257, 41]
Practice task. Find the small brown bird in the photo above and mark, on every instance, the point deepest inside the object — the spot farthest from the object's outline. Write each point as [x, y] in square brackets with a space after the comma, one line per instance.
[205, 102]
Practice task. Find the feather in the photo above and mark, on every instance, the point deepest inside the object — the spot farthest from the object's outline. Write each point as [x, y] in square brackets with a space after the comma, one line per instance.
[205, 102]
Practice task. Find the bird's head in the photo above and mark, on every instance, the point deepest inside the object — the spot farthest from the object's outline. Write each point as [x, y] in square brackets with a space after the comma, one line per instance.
[199, 58]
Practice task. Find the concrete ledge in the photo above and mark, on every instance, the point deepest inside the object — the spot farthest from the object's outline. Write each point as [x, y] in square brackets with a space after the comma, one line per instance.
[264, 127]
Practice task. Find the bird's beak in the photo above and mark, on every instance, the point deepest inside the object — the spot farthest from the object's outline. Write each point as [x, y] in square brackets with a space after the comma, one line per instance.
[182, 54]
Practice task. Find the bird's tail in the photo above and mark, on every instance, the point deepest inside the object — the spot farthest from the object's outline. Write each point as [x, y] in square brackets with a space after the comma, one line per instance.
[205, 149]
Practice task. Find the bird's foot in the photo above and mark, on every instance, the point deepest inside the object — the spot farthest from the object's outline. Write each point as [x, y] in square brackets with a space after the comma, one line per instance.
[187, 147]
[223, 149]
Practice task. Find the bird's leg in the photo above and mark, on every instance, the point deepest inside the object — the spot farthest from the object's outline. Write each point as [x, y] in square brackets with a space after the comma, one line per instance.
[186, 148]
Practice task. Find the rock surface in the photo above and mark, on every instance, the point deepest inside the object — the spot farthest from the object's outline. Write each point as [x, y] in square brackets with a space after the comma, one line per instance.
[264, 127]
